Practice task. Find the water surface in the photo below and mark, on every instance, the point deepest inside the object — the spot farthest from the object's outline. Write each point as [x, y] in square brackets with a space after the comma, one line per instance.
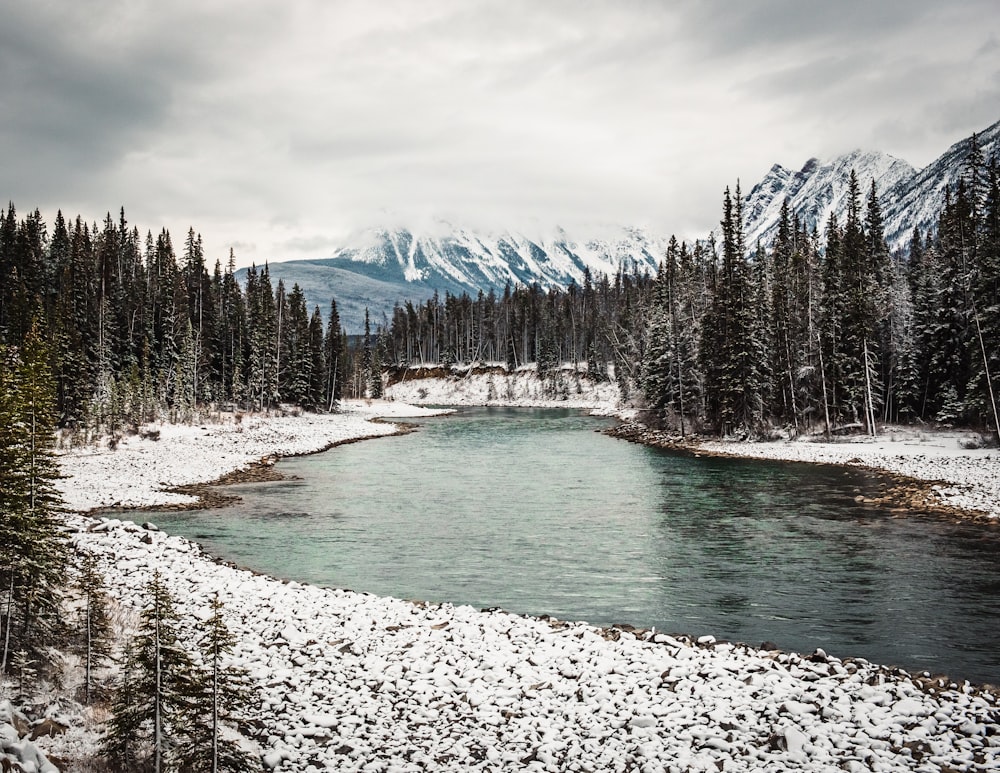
[536, 512]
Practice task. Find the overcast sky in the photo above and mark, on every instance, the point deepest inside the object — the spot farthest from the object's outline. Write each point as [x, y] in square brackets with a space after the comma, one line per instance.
[278, 128]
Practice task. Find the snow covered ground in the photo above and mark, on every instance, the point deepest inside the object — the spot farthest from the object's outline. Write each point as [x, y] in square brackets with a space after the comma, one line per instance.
[963, 478]
[521, 388]
[351, 681]
[140, 471]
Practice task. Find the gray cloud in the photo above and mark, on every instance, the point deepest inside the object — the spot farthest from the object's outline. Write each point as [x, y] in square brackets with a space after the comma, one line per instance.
[281, 127]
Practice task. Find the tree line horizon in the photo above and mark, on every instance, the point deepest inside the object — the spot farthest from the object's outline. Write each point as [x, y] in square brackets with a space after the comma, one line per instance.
[726, 338]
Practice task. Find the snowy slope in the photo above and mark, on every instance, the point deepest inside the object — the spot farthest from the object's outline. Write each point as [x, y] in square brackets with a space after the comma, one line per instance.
[918, 201]
[909, 197]
[817, 190]
[473, 260]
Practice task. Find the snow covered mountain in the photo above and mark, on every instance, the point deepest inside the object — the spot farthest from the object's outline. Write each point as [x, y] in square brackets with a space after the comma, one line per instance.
[909, 197]
[816, 190]
[919, 200]
[383, 267]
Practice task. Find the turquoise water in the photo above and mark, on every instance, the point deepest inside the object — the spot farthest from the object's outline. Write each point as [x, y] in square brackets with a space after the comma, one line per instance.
[536, 512]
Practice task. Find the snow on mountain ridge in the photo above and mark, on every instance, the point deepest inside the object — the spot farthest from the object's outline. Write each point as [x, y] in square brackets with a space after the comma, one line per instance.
[919, 201]
[384, 266]
[817, 190]
[909, 197]
[477, 259]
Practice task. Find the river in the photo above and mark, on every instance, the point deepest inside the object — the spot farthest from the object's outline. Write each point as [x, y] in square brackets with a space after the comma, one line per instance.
[536, 512]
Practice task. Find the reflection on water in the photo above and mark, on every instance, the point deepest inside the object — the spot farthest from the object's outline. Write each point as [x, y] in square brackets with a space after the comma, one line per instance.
[535, 512]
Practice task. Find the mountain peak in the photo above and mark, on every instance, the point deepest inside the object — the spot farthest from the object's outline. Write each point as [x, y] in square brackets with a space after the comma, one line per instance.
[819, 189]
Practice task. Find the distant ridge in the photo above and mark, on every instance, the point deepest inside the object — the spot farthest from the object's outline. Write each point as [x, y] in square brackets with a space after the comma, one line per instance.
[384, 267]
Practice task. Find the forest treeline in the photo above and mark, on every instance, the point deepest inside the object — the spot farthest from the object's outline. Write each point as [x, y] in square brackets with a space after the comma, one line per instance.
[175, 697]
[806, 334]
[136, 334]
[728, 337]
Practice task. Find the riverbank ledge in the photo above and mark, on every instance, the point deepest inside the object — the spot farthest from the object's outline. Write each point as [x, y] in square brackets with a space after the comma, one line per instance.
[925, 470]
[350, 681]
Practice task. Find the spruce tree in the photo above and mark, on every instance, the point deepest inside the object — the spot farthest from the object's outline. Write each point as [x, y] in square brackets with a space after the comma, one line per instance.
[334, 359]
[93, 639]
[125, 743]
[784, 363]
[984, 386]
[731, 337]
[221, 698]
[859, 352]
[317, 354]
[151, 719]
[295, 350]
[32, 549]
[367, 377]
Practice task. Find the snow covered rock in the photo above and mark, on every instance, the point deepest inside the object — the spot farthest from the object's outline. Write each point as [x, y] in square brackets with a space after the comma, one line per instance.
[16, 749]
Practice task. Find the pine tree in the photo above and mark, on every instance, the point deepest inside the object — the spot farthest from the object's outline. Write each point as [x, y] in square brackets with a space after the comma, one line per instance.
[367, 376]
[151, 718]
[263, 324]
[784, 363]
[94, 625]
[731, 336]
[125, 742]
[378, 359]
[317, 365]
[32, 549]
[665, 379]
[859, 349]
[221, 697]
[657, 377]
[295, 350]
[983, 392]
[334, 359]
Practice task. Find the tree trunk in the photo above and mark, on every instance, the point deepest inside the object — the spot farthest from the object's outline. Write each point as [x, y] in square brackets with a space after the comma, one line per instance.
[215, 707]
[157, 696]
[989, 380]
[89, 655]
[6, 636]
[822, 376]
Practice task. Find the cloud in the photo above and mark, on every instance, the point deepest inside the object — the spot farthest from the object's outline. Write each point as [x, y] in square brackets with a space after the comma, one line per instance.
[286, 126]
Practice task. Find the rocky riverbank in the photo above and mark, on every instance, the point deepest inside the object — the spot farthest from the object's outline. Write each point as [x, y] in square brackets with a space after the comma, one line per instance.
[924, 471]
[350, 681]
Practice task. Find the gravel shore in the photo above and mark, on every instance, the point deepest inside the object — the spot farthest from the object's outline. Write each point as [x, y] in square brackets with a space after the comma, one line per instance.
[351, 681]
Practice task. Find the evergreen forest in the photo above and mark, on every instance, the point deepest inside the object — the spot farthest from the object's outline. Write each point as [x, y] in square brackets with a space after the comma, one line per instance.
[806, 334]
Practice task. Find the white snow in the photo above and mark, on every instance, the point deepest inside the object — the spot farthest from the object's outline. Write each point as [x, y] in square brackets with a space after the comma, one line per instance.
[350, 681]
[964, 478]
[371, 683]
[520, 388]
[475, 258]
[140, 471]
